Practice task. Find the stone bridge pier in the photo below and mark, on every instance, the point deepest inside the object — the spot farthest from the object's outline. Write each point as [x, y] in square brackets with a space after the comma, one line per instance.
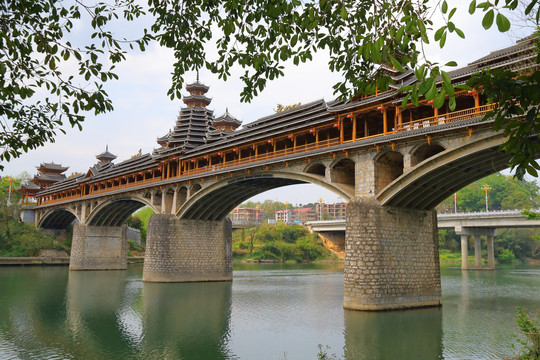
[98, 247]
[392, 258]
[184, 250]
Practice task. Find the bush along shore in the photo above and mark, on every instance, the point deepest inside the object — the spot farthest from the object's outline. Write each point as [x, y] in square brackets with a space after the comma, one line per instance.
[279, 243]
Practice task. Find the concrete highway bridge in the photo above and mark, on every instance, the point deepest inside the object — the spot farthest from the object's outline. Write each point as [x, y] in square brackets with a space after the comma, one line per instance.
[392, 164]
[466, 224]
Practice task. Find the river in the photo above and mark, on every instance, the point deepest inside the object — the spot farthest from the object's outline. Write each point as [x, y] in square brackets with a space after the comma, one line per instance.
[269, 311]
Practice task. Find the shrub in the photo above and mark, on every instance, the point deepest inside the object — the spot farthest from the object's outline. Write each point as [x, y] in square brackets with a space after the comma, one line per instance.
[506, 256]
[531, 330]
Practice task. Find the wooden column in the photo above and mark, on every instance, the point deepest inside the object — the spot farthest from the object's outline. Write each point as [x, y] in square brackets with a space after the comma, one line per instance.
[353, 127]
[340, 130]
[385, 121]
[436, 114]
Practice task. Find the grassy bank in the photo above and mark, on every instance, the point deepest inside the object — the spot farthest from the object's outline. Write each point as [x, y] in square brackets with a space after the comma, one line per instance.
[279, 243]
[18, 239]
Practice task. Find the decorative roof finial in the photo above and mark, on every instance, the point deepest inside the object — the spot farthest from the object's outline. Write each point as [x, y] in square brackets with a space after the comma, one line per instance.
[227, 110]
[197, 75]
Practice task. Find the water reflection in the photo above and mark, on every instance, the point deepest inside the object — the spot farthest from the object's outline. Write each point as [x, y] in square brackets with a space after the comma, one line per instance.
[409, 334]
[50, 313]
[186, 321]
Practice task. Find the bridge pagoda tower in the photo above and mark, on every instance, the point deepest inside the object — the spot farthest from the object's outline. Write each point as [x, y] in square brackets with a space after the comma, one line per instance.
[188, 250]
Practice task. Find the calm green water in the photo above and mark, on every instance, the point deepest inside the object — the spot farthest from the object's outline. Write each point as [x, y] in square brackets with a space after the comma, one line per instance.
[267, 312]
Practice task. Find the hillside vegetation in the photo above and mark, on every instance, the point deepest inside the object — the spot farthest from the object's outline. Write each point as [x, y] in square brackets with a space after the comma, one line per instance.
[279, 242]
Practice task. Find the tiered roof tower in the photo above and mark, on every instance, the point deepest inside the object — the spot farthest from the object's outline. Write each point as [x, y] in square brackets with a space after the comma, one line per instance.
[193, 125]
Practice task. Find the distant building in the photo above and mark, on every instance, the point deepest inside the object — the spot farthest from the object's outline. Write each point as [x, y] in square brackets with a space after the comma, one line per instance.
[305, 214]
[335, 211]
[299, 215]
[247, 215]
[48, 174]
[285, 216]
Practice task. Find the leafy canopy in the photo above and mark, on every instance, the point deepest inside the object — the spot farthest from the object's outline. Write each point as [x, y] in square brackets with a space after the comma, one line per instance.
[259, 36]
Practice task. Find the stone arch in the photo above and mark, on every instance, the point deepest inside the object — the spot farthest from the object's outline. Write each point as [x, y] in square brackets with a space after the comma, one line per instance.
[439, 176]
[343, 171]
[115, 212]
[424, 151]
[59, 218]
[388, 166]
[216, 201]
[316, 169]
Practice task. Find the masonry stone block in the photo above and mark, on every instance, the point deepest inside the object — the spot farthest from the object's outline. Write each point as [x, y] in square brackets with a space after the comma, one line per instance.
[98, 248]
[391, 259]
[180, 250]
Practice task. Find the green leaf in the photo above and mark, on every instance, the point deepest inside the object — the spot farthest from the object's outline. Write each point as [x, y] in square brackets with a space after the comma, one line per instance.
[452, 103]
[530, 7]
[439, 33]
[460, 33]
[396, 64]
[451, 63]
[439, 99]
[432, 92]
[452, 12]
[503, 23]
[443, 40]
[343, 12]
[487, 21]
[472, 7]
[444, 7]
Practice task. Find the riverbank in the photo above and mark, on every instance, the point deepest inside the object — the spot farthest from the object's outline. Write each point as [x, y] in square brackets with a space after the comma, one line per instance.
[41, 260]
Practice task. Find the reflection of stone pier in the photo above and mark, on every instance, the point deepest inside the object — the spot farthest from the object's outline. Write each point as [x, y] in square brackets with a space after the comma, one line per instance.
[92, 300]
[394, 335]
[183, 321]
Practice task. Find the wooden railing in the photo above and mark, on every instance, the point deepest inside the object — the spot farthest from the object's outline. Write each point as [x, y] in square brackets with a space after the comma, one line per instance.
[265, 156]
[407, 126]
[445, 118]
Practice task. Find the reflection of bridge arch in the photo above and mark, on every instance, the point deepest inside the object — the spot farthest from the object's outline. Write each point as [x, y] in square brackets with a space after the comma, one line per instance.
[439, 176]
[115, 212]
[216, 201]
[57, 218]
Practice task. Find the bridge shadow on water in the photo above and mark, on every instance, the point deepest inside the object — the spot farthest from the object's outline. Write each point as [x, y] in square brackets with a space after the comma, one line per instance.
[408, 334]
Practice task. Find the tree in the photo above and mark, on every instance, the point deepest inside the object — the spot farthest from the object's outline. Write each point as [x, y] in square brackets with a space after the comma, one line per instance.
[506, 193]
[258, 36]
[46, 79]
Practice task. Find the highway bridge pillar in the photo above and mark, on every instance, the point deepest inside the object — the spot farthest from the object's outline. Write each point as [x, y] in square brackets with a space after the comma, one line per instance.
[98, 247]
[477, 252]
[465, 234]
[490, 252]
[179, 250]
[392, 259]
[464, 252]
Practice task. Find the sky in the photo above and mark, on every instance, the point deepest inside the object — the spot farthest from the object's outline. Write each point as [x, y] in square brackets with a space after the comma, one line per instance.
[143, 111]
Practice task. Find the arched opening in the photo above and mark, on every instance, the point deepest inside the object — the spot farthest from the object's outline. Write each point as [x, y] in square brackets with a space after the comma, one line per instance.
[424, 152]
[115, 212]
[432, 181]
[343, 172]
[316, 169]
[60, 219]
[218, 200]
[388, 167]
